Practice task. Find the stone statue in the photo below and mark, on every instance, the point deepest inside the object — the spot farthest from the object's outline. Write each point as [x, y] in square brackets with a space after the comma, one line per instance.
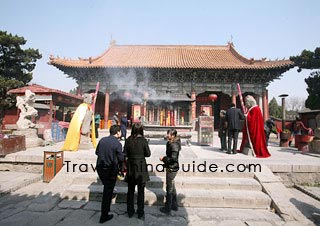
[25, 126]
[27, 111]
[314, 145]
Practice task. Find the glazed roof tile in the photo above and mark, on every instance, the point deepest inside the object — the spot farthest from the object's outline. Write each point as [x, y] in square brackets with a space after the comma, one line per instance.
[38, 89]
[171, 56]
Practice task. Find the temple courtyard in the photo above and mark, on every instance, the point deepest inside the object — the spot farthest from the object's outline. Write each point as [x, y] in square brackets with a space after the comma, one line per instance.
[213, 188]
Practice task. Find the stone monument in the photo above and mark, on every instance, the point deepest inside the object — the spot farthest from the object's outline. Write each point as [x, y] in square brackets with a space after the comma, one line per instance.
[24, 124]
[314, 146]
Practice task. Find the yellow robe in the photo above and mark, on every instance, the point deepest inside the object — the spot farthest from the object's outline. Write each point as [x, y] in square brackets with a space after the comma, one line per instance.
[73, 136]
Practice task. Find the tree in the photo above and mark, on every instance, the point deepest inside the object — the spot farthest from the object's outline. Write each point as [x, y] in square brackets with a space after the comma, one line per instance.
[73, 91]
[274, 109]
[16, 66]
[295, 104]
[313, 82]
[310, 60]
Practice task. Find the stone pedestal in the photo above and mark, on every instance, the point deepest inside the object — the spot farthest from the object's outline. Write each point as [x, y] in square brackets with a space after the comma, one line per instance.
[314, 146]
[12, 144]
[32, 139]
[85, 143]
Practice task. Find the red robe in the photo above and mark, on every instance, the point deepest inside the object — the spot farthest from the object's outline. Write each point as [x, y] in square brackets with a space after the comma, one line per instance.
[254, 121]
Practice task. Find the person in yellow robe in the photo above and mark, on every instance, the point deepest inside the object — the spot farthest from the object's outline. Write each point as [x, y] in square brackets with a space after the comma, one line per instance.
[76, 127]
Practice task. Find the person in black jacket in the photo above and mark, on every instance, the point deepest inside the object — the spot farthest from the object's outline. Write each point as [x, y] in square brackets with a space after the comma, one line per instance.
[136, 148]
[110, 156]
[268, 129]
[171, 163]
[223, 128]
[233, 115]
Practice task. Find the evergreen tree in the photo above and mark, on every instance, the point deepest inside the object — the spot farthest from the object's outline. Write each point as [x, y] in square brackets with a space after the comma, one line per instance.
[16, 66]
[313, 82]
[310, 60]
[274, 109]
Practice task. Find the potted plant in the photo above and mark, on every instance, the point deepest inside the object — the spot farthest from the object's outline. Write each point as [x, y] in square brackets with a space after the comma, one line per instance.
[301, 141]
[285, 137]
[285, 134]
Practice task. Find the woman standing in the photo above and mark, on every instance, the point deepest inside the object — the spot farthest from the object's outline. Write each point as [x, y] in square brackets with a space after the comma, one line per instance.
[136, 148]
[171, 164]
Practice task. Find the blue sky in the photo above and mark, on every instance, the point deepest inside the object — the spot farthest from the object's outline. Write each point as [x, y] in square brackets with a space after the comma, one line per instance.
[83, 28]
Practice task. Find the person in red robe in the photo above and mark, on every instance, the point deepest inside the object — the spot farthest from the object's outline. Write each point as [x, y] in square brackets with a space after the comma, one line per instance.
[253, 135]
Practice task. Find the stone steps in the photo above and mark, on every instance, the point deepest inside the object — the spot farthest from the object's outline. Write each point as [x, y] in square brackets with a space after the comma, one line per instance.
[224, 198]
[194, 190]
[185, 182]
[21, 179]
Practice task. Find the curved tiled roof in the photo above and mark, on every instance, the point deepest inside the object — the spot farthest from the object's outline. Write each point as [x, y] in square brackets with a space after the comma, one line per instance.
[171, 56]
[38, 89]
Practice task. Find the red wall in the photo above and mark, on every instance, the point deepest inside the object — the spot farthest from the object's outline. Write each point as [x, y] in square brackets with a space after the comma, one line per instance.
[10, 117]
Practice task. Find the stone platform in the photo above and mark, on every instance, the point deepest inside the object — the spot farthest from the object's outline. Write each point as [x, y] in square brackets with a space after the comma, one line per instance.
[197, 190]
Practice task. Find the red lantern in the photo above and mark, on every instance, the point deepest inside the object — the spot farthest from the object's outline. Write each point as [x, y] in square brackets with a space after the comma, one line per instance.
[213, 97]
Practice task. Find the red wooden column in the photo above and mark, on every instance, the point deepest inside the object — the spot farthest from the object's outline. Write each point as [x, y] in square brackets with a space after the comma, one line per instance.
[193, 105]
[106, 109]
[265, 105]
[50, 112]
[234, 97]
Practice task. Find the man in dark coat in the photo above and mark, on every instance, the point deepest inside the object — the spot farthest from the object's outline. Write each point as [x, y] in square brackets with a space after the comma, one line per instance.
[223, 128]
[136, 148]
[233, 116]
[110, 156]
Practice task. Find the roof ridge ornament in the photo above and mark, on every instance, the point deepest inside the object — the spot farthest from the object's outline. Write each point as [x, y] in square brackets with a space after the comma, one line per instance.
[112, 42]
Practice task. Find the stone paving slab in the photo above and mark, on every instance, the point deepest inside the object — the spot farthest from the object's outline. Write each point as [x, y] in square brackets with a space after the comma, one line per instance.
[307, 205]
[312, 191]
[12, 181]
[281, 197]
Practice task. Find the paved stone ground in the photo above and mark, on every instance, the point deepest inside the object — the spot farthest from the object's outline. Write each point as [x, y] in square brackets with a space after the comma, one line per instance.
[31, 206]
[309, 206]
[36, 205]
[40, 204]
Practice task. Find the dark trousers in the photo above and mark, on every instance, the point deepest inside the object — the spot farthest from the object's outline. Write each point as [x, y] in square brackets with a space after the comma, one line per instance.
[267, 138]
[108, 181]
[223, 141]
[171, 199]
[140, 200]
[233, 135]
[96, 130]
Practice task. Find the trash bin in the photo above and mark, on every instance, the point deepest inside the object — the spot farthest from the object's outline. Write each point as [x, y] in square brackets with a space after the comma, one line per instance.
[52, 164]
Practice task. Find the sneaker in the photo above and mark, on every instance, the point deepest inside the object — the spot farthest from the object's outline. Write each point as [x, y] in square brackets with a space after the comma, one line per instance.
[105, 218]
